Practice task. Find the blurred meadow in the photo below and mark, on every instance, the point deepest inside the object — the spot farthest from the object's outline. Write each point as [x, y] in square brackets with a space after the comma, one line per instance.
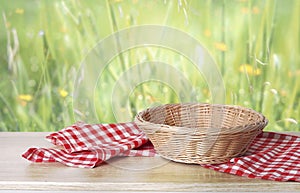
[255, 43]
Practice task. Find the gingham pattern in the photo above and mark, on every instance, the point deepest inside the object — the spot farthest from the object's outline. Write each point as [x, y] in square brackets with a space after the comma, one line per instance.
[271, 156]
[87, 146]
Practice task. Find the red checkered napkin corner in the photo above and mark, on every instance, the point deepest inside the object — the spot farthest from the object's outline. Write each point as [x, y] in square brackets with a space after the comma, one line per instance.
[86, 146]
[271, 156]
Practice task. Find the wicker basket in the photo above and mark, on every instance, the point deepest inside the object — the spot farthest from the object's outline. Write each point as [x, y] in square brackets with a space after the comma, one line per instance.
[200, 133]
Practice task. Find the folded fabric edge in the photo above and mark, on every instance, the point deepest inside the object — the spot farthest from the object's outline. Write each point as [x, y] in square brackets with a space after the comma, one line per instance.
[50, 155]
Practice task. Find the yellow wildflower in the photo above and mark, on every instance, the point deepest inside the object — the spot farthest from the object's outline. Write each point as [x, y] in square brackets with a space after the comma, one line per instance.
[294, 73]
[207, 33]
[63, 29]
[283, 93]
[255, 10]
[63, 93]
[221, 46]
[19, 11]
[245, 10]
[248, 69]
[25, 97]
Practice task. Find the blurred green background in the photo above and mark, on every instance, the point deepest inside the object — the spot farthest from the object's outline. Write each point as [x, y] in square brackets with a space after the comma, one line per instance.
[255, 43]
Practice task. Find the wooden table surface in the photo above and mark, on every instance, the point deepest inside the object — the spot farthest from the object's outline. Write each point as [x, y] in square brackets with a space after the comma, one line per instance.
[135, 174]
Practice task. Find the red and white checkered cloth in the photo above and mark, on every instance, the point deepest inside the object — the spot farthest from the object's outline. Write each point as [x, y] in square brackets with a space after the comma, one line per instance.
[271, 156]
[86, 146]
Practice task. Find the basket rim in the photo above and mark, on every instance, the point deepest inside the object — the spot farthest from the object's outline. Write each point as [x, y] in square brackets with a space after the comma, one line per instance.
[257, 125]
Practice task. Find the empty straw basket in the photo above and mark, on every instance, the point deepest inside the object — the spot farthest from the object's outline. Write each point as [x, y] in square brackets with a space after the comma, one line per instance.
[200, 133]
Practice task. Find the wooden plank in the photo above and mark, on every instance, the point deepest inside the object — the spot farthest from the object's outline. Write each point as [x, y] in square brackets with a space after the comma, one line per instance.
[119, 174]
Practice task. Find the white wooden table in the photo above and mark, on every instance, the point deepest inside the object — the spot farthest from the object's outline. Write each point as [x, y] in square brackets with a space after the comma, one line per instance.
[134, 174]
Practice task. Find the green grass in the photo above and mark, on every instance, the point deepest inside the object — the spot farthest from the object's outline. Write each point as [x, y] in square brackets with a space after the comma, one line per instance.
[255, 43]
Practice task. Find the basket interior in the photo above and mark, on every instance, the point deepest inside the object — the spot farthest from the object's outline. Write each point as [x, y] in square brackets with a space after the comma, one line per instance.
[201, 116]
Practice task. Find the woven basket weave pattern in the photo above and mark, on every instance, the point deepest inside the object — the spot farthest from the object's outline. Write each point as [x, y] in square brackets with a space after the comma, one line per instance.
[200, 133]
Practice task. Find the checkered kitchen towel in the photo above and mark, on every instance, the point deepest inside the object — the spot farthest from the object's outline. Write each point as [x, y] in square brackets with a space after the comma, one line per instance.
[271, 156]
[86, 146]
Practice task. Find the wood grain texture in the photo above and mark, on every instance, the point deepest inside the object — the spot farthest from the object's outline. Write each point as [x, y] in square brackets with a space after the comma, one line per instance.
[119, 174]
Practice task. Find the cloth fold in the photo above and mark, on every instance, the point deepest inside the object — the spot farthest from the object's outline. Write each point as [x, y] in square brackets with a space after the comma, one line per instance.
[86, 146]
[271, 156]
